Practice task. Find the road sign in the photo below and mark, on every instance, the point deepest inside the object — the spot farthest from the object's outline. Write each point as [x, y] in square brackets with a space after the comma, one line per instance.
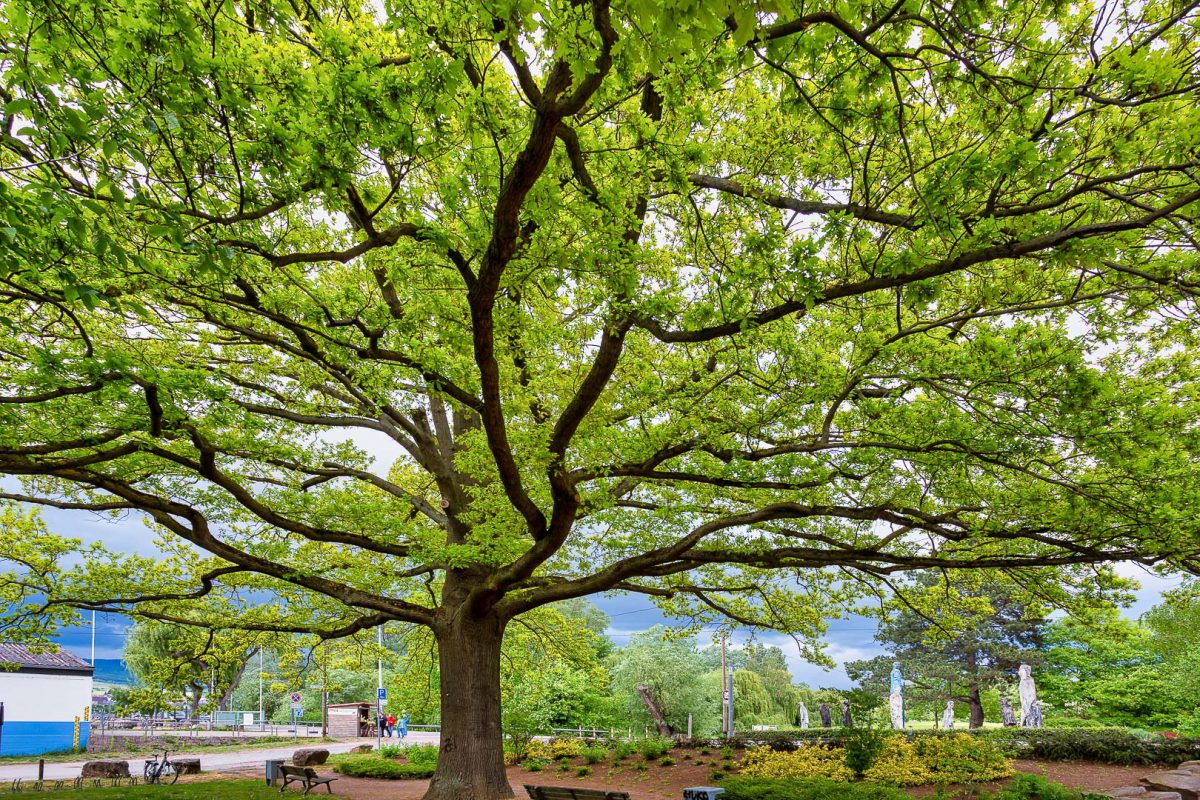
[296, 699]
[725, 695]
[382, 693]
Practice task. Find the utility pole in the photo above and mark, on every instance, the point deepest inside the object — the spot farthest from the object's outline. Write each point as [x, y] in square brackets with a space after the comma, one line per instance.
[93, 638]
[724, 713]
[324, 699]
[261, 721]
[379, 702]
[730, 705]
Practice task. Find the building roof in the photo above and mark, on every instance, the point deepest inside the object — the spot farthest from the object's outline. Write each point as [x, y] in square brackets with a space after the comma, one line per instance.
[29, 661]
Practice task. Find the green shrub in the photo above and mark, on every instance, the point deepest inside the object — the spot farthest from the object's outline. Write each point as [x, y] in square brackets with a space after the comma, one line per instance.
[1074, 722]
[583, 772]
[806, 762]
[666, 761]
[533, 765]
[863, 746]
[805, 789]
[1107, 745]
[624, 750]
[726, 752]
[1035, 787]
[962, 759]
[594, 755]
[716, 775]
[652, 749]
[375, 767]
[1121, 746]
[390, 751]
[421, 754]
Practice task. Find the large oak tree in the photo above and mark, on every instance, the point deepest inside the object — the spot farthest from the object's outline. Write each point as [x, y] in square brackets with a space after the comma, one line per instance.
[745, 307]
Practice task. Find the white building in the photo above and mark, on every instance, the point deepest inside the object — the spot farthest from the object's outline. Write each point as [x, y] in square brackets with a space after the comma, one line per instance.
[46, 699]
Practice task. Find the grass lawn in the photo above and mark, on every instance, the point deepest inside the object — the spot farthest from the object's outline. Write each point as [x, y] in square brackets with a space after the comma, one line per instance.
[197, 790]
[50, 758]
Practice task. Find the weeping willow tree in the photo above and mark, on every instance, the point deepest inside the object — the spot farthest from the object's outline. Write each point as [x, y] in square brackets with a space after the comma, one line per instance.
[441, 312]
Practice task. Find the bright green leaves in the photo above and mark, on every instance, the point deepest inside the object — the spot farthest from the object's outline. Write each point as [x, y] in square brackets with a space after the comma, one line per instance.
[868, 268]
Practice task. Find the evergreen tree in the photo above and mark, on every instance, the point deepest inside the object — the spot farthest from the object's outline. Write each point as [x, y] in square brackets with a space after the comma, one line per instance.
[967, 637]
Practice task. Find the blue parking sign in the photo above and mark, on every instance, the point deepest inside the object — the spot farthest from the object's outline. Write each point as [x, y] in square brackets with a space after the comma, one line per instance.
[382, 693]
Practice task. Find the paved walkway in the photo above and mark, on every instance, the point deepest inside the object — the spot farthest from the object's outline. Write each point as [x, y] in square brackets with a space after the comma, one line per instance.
[227, 761]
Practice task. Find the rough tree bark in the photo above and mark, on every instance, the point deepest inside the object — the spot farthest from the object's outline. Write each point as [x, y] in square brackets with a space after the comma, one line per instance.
[660, 721]
[471, 758]
[976, 704]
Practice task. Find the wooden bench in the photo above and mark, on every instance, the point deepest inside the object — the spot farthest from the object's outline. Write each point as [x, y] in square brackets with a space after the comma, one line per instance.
[306, 776]
[571, 793]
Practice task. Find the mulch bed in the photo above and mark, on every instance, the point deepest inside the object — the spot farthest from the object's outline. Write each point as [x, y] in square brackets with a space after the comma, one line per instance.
[666, 783]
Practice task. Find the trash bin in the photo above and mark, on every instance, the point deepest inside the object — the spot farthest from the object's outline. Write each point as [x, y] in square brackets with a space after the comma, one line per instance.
[702, 793]
[274, 772]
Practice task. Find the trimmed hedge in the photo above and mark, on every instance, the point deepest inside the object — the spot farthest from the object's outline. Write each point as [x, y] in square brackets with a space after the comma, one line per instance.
[1106, 745]
[375, 767]
[806, 789]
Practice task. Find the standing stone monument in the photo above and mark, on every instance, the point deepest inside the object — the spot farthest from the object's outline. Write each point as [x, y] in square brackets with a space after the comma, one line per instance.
[948, 715]
[803, 716]
[896, 698]
[1006, 712]
[1031, 715]
[846, 721]
[826, 717]
[1035, 715]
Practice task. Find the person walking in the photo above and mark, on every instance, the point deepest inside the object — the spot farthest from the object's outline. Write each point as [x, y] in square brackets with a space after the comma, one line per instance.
[391, 724]
[404, 718]
[382, 722]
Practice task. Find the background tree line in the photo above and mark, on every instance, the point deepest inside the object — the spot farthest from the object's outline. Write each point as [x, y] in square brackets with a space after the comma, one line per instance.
[561, 670]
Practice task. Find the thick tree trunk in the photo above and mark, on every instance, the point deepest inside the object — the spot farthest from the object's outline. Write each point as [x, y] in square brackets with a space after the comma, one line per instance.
[976, 707]
[660, 721]
[471, 759]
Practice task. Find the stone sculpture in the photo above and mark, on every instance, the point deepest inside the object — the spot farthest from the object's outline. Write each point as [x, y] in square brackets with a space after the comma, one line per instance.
[948, 715]
[826, 717]
[846, 721]
[1035, 715]
[1028, 694]
[896, 698]
[803, 716]
[1006, 712]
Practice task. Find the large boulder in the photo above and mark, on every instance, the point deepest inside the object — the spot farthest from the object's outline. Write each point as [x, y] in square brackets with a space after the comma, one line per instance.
[187, 766]
[1189, 765]
[310, 756]
[1187, 784]
[362, 748]
[105, 768]
[1141, 793]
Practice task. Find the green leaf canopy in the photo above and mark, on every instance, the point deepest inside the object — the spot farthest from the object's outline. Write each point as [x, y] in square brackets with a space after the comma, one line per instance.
[665, 297]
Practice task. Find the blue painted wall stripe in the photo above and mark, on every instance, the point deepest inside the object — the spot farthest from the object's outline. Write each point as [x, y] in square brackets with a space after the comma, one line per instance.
[36, 738]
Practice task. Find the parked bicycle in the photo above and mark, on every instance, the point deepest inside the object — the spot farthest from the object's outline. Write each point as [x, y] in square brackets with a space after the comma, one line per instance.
[160, 771]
